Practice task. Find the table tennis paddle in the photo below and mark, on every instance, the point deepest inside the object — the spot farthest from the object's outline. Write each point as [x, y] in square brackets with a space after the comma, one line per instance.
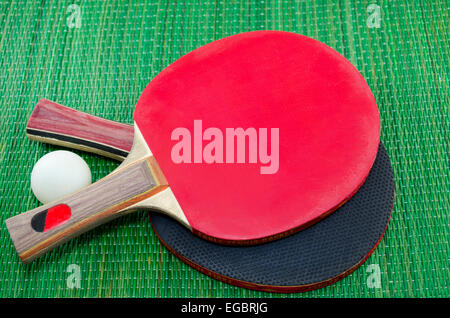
[313, 258]
[248, 86]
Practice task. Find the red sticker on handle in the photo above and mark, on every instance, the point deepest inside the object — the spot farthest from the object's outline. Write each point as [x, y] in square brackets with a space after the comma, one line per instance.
[51, 218]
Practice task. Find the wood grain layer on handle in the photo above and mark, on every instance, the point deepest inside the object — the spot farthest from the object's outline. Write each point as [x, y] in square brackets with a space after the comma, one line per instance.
[91, 206]
[56, 124]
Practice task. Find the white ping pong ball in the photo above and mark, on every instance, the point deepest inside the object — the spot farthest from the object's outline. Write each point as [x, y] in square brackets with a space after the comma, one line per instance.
[58, 174]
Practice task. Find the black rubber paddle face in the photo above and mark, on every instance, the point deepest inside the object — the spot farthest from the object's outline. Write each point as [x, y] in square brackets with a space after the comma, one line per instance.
[313, 258]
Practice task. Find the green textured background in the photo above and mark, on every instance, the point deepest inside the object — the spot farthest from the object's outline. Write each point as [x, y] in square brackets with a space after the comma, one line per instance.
[103, 66]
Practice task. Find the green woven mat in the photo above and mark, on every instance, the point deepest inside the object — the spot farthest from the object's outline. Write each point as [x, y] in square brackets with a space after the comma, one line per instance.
[101, 63]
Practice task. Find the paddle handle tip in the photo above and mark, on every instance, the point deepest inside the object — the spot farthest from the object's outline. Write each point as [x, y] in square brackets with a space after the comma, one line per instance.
[40, 230]
[56, 124]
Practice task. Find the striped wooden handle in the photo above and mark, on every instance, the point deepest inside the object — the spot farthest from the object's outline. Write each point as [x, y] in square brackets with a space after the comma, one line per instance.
[39, 230]
[56, 124]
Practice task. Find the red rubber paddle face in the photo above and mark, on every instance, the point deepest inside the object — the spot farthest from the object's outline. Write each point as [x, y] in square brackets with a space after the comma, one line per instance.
[312, 129]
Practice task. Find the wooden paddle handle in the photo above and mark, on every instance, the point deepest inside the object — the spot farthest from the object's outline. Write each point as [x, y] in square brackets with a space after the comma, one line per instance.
[60, 125]
[39, 230]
